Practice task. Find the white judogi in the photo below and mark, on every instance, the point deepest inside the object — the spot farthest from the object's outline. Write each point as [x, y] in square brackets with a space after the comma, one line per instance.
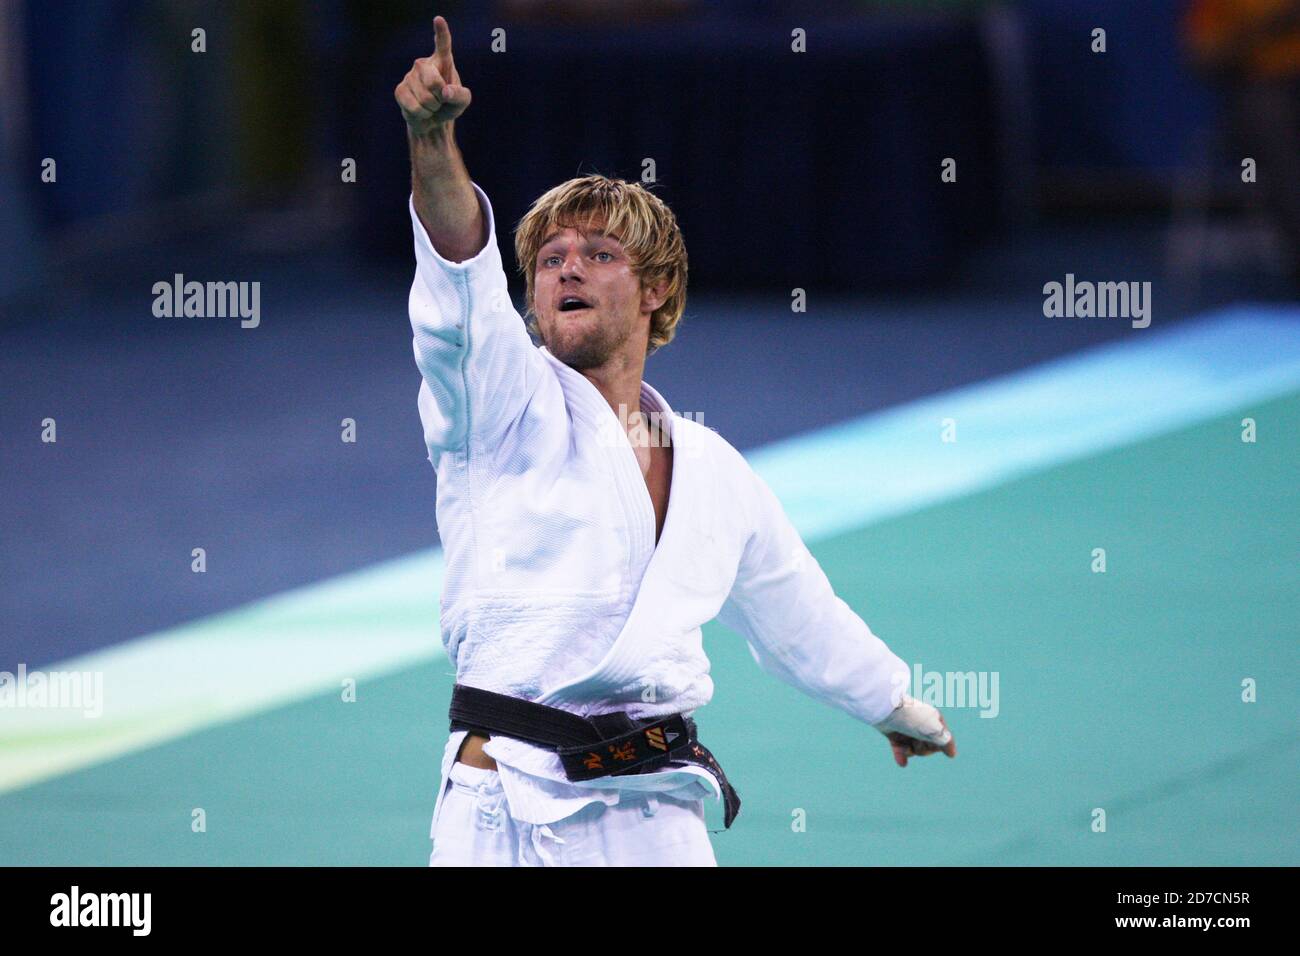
[555, 590]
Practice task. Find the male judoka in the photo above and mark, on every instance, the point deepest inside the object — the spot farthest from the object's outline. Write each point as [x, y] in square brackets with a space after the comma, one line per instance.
[589, 534]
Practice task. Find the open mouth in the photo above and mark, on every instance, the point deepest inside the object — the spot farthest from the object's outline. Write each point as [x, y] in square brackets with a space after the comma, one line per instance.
[572, 303]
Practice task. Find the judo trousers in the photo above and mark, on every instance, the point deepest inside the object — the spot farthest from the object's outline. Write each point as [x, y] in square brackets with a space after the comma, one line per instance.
[473, 827]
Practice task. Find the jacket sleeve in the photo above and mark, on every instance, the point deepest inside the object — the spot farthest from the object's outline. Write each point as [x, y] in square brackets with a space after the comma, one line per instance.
[478, 365]
[797, 628]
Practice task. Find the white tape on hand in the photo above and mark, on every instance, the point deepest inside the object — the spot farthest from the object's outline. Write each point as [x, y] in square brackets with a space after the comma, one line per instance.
[916, 719]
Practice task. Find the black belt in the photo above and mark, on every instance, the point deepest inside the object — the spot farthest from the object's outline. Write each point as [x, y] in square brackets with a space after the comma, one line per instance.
[603, 745]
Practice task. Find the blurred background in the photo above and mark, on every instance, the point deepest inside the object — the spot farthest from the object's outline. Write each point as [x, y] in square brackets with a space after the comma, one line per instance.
[159, 141]
[258, 140]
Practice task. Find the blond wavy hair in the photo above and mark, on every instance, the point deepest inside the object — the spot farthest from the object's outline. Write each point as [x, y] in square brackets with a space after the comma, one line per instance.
[638, 218]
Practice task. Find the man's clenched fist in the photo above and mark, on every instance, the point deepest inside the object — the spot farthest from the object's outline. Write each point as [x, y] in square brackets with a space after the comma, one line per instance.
[915, 729]
[430, 94]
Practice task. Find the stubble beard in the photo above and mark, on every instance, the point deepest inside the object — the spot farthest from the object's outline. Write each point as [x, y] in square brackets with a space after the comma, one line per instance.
[591, 349]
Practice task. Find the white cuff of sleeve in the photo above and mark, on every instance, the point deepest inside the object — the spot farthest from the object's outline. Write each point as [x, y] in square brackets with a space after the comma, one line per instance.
[916, 719]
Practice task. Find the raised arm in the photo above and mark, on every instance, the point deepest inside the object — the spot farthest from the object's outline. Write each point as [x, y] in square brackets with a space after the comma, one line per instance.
[431, 97]
[479, 367]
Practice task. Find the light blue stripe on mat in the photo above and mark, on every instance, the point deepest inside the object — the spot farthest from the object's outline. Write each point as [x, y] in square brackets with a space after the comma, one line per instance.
[895, 461]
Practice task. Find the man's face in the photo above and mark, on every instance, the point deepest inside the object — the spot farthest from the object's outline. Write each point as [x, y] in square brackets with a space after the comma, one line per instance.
[610, 315]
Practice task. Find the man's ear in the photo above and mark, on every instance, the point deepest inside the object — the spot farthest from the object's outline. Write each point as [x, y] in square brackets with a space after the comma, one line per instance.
[653, 296]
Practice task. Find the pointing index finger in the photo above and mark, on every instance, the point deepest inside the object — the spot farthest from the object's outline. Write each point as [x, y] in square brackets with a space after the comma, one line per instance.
[441, 37]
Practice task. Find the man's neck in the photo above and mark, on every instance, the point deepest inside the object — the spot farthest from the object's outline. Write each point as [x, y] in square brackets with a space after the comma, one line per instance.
[620, 384]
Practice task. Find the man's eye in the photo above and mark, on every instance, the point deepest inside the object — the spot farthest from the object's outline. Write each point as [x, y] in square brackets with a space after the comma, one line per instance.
[550, 259]
[610, 254]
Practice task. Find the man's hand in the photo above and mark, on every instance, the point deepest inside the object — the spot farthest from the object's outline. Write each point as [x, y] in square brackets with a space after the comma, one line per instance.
[916, 729]
[430, 95]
